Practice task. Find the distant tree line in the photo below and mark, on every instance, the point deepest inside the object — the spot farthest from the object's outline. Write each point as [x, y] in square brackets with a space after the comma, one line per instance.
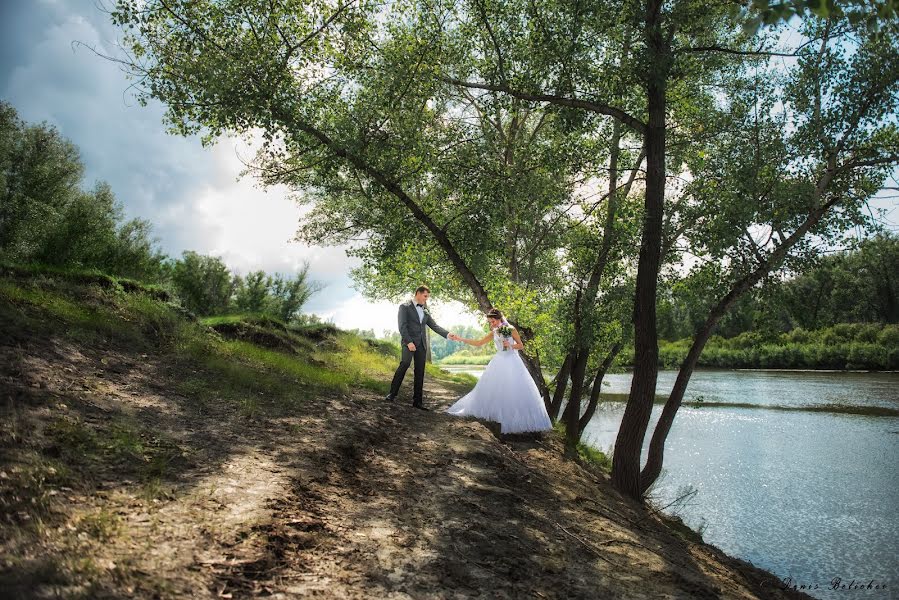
[859, 285]
[48, 218]
[868, 346]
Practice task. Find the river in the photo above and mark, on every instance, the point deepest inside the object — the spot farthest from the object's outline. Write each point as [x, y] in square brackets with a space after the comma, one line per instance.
[810, 496]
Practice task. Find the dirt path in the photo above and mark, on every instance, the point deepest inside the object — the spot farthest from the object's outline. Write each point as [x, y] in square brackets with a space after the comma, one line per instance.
[348, 497]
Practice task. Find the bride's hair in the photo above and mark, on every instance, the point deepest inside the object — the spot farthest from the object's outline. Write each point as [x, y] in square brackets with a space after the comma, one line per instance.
[494, 313]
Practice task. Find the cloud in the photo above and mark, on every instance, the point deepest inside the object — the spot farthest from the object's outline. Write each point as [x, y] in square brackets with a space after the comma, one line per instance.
[190, 193]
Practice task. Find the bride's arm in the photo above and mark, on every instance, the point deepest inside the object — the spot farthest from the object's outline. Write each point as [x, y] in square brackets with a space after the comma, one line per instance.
[518, 345]
[479, 342]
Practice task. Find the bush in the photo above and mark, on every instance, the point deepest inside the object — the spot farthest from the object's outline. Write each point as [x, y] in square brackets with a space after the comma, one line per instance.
[846, 332]
[889, 336]
[798, 336]
[203, 283]
[867, 333]
[46, 217]
[866, 356]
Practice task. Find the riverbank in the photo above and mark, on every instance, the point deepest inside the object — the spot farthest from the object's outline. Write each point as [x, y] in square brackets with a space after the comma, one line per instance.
[146, 455]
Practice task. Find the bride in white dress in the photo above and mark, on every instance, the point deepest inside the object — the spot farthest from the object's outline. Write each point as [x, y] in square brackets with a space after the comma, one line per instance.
[505, 393]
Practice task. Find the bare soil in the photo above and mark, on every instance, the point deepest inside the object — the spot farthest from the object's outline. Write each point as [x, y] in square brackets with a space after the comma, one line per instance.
[348, 496]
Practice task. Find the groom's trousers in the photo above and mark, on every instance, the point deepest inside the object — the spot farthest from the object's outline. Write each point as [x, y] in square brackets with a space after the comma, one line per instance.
[408, 357]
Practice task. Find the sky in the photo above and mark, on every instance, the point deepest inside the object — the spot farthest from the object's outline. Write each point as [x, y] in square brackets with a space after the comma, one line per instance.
[192, 195]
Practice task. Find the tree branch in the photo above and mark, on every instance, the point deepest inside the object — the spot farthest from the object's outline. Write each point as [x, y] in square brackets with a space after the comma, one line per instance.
[394, 188]
[625, 118]
[731, 51]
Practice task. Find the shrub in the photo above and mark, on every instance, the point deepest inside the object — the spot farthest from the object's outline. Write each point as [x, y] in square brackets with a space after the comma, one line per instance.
[866, 356]
[889, 336]
[867, 333]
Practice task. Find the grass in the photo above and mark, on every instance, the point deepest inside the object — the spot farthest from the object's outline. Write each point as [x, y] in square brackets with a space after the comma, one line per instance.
[85, 277]
[252, 365]
[101, 525]
[587, 453]
[249, 352]
[123, 443]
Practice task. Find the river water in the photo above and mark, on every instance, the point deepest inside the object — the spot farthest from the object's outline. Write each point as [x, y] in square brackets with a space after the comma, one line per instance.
[810, 496]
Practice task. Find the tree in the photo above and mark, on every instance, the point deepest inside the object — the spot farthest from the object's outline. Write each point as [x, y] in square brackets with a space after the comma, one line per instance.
[675, 48]
[855, 286]
[46, 216]
[682, 45]
[367, 114]
[252, 292]
[369, 139]
[289, 294]
[203, 283]
[41, 175]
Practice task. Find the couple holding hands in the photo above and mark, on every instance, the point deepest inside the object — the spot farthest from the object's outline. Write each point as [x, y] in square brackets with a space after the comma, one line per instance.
[505, 393]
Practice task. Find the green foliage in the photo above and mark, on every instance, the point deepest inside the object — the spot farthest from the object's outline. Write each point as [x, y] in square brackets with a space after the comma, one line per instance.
[46, 217]
[855, 11]
[856, 285]
[203, 283]
[289, 294]
[206, 287]
[252, 294]
[869, 346]
[385, 151]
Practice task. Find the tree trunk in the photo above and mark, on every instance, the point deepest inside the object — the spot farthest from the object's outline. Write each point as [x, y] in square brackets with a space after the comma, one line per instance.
[578, 366]
[597, 385]
[536, 371]
[572, 413]
[629, 443]
[561, 386]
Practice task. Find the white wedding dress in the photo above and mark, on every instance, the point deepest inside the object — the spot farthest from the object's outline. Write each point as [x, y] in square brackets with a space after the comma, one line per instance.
[505, 394]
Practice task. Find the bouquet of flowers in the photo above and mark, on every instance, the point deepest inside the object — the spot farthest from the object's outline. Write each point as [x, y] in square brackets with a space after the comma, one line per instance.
[505, 332]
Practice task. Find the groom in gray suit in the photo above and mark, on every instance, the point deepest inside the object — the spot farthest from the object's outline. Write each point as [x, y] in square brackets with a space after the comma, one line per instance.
[413, 317]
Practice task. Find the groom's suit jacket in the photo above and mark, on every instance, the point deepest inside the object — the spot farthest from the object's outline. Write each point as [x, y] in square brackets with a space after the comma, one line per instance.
[413, 330]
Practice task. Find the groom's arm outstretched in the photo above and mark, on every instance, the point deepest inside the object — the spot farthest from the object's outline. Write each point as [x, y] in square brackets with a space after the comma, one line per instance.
[440, 330]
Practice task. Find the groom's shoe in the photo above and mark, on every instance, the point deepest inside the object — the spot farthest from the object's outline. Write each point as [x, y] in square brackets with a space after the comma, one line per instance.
[420, 407]
[389, 397]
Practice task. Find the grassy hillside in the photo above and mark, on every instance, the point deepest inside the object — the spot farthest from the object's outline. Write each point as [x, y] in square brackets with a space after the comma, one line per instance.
[74, 343]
